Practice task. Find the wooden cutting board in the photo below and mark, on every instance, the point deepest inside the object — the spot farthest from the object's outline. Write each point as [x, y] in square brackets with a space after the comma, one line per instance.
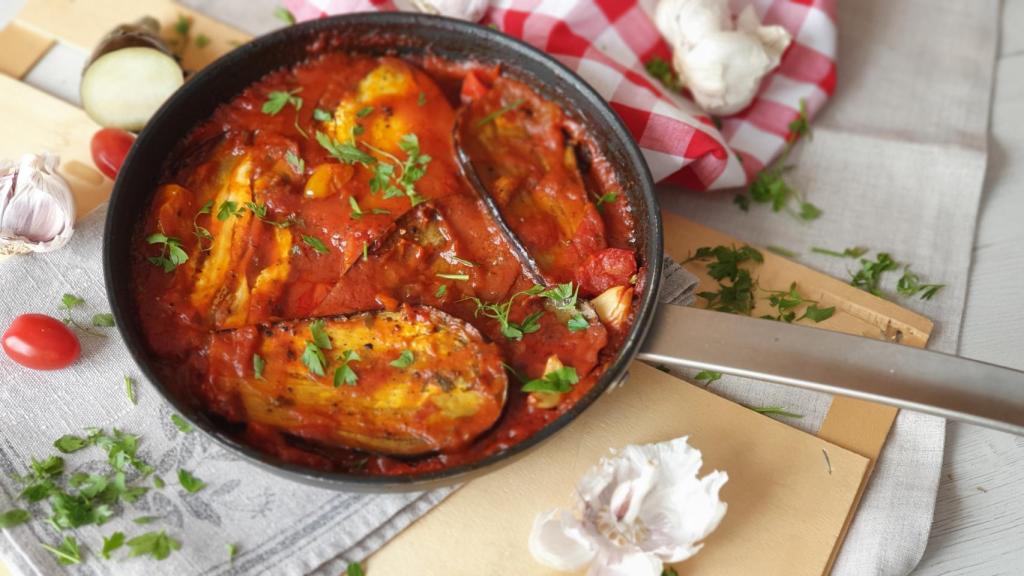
[789, 508]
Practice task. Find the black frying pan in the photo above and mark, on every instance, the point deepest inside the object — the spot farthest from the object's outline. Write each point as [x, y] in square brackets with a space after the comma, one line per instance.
[374, 34]
[806, 357]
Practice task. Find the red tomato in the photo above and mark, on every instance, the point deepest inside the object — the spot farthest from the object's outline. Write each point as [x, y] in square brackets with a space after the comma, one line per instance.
[472, 87]
[109, 147]
[40, 342]
[604, 269]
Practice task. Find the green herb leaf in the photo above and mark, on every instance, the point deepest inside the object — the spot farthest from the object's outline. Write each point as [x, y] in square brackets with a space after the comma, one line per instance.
[500, 312]
[143, 520]
[232, 552]
[774, 410]
[69, 443]
[158, 482]
[404, 360]
[869, 277]
[258, 364]
[320, 337]
[227, 209]
[190, 483]
[781, 251]
[357, 212]
[421, 99]
[314, 243]
[314, 359]
[707, 377]
[494, 115]
[129, 389]
[115, 541]
[354, 569]
[70, 301]
[183, 426]
[801, 126]
[285, 15]
[364, 111]
[343, 151]
[171, 255]
[854, 252]
[742, 201]
[14, 517]
[67, 551]
[321, 115]
[662, 70]
[560, 380]
[344, 374]
[577, 323]
[103, 320]
[459, 277]
[156, 544]
[441, 291]
[297, 164]
[202, 41]
[183, 26]
[910, 284]
[605, 199]
[277, 100]
[818, 314]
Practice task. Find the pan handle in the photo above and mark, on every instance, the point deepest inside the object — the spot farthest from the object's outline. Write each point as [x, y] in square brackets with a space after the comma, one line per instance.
[931, 382]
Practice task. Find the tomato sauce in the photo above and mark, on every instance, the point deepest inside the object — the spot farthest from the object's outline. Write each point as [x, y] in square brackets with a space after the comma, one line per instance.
[332, 188]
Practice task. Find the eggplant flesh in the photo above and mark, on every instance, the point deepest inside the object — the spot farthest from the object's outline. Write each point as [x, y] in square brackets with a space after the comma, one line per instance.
[406, 382]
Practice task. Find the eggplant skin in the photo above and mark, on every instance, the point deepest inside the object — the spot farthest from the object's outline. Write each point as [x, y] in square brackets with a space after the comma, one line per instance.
[453, 390]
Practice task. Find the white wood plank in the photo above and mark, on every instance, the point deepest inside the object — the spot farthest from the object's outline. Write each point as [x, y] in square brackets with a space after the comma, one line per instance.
[979, 515]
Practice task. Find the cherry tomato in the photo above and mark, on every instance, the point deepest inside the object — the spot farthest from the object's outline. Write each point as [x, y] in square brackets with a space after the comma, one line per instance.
[604, 269]
[109, 147]
[40, 342]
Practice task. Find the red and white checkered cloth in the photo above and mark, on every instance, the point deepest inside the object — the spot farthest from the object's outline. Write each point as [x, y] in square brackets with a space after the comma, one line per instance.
[607, 42]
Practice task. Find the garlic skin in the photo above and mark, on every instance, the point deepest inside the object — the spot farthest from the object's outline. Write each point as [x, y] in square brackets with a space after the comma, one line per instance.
[471, 10]
[721, 62]
[636, 510]
[37, 210]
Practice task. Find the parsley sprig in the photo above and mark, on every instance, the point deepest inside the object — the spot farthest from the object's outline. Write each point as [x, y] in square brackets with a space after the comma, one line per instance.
[770, 186]
[738, 290]
[560, 380]
[662, 70]
[171, 255]
[70, 302]
[344, 374]
[278, 99]
[500, 311]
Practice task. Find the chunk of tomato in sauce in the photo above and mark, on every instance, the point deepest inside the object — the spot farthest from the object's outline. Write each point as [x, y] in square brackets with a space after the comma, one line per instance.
[605, 269]
[476, 83]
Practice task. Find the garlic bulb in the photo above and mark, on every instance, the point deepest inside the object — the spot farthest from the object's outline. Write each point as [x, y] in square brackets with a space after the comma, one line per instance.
[37, 210]
[635, 510]
[722, 63]
[471, 10]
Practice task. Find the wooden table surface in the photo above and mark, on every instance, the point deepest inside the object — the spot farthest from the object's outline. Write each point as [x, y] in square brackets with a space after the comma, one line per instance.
[979, 516]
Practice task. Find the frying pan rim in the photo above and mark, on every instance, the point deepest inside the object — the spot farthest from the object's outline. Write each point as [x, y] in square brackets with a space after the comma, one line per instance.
[573, 89]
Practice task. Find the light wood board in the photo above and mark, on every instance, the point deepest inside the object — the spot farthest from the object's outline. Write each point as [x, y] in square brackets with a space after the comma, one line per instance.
[853, 432]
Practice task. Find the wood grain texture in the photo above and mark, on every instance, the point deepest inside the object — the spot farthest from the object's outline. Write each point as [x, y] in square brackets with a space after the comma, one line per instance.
[979, 516]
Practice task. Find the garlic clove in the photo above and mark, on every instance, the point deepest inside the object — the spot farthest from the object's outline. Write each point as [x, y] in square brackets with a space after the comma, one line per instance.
[471, 10]
[775, 39]
[724, 71]
[37, 209]
[612, 306]
[721, 62]
[684, 23]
